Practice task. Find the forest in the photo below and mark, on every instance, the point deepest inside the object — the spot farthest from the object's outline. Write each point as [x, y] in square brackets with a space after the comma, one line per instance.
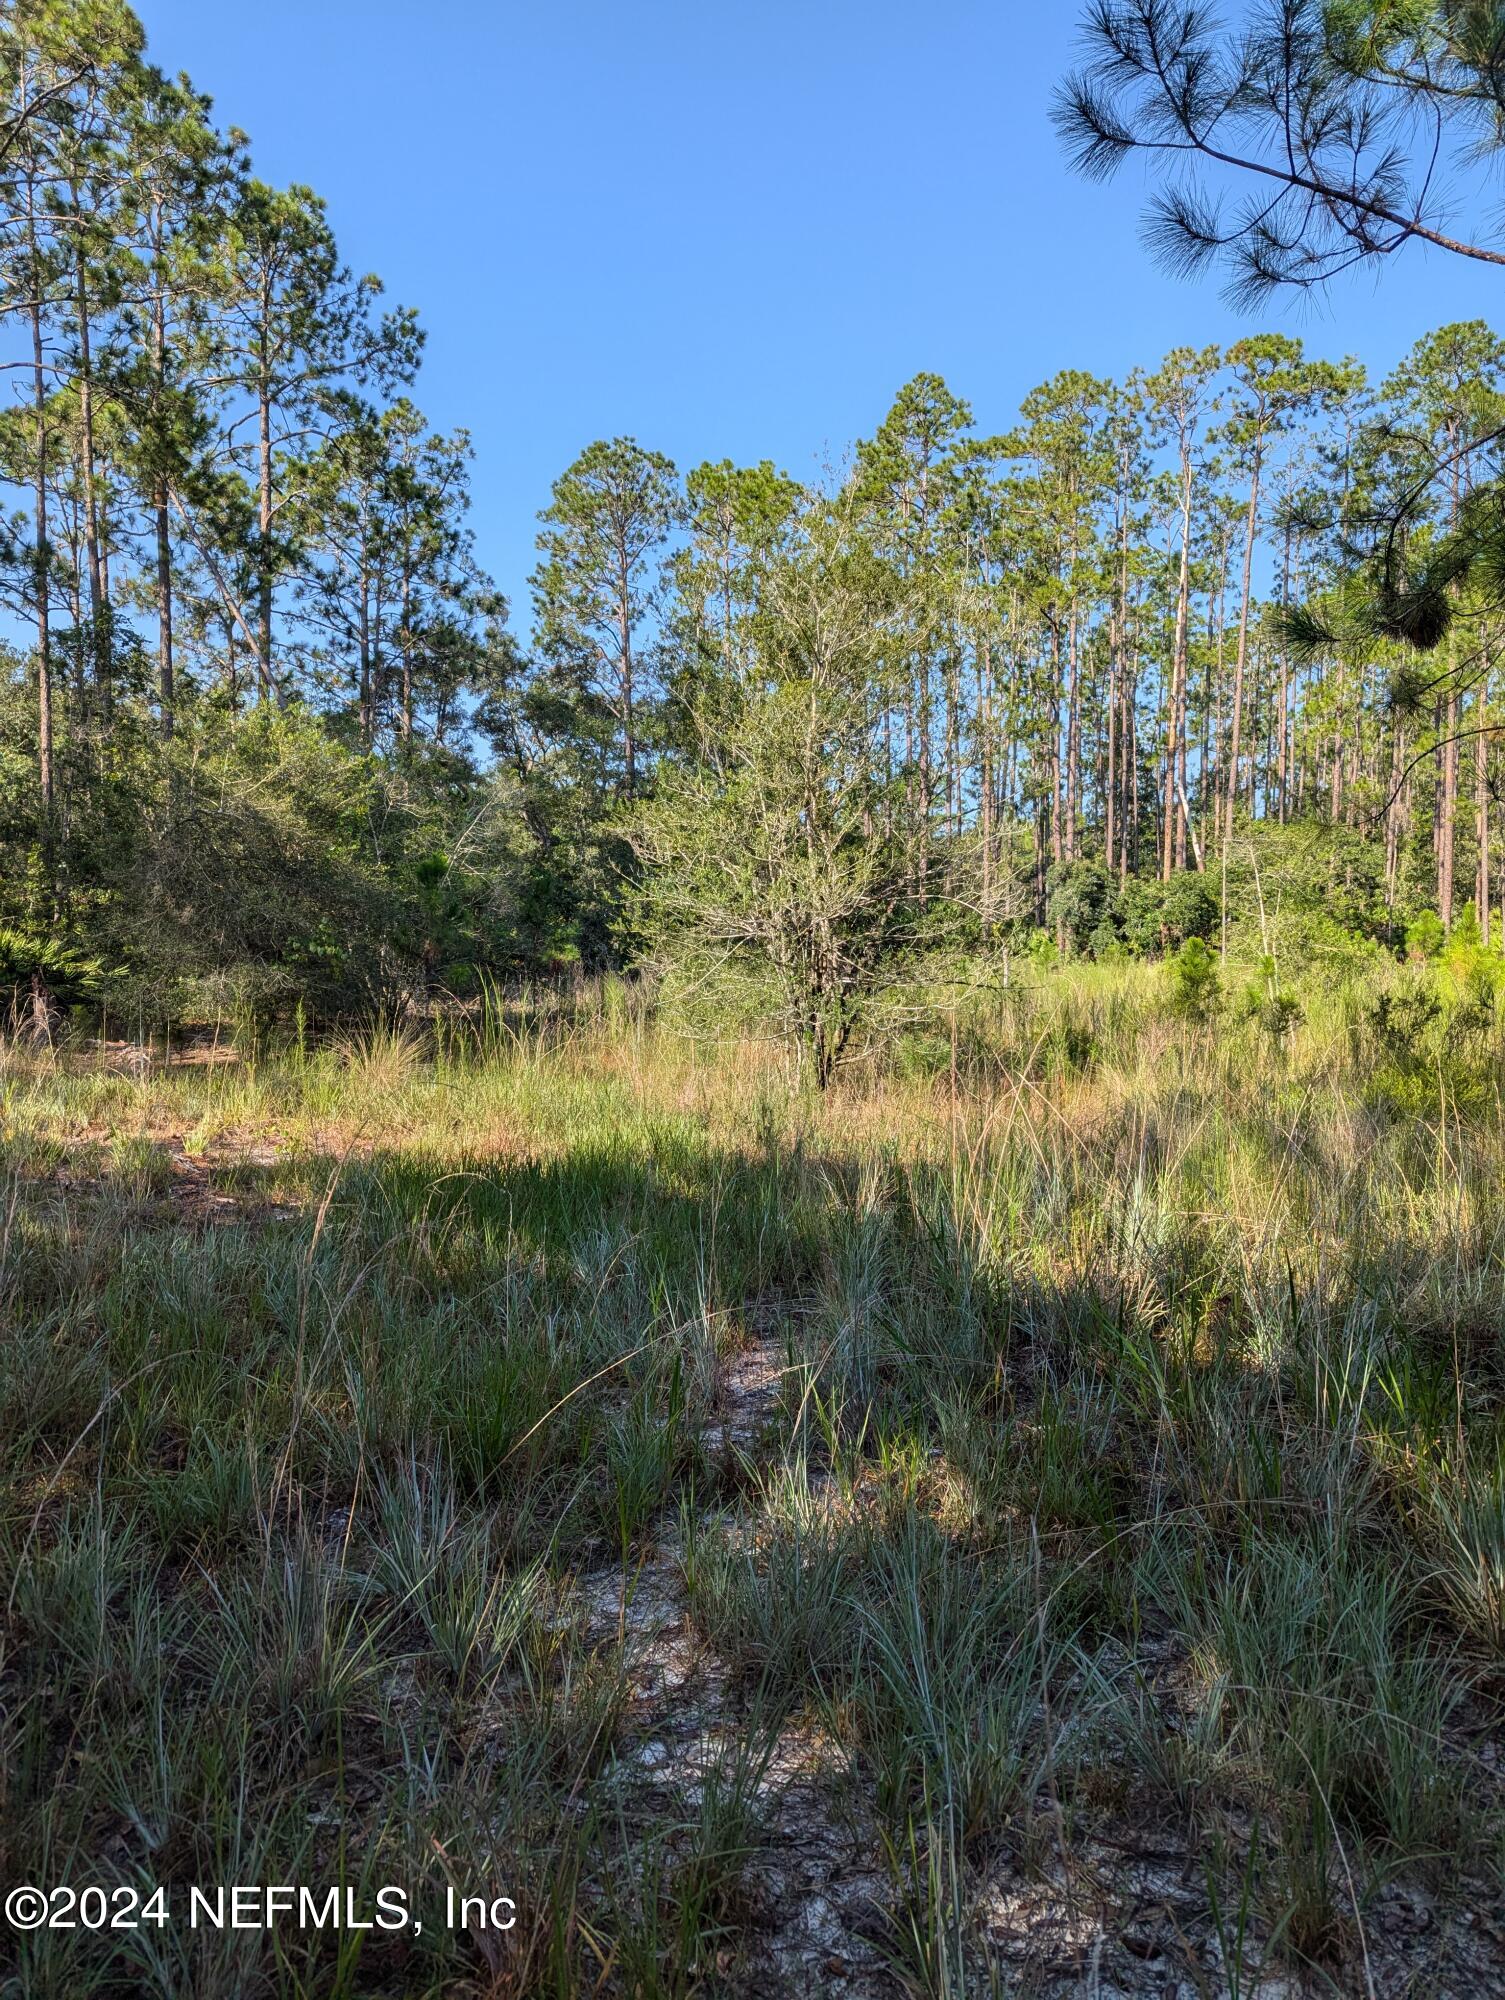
[271, 739]
[793, 1260]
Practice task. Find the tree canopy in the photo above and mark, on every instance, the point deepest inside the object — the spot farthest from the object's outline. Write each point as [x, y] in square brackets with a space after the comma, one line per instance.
[270, 738]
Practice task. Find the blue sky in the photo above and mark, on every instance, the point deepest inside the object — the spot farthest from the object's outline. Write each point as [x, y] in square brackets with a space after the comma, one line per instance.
[731, 230]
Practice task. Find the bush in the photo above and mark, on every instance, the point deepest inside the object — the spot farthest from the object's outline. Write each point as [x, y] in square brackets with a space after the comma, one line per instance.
[1276, 1010]
[1195, 987]
[1432, 1036]
[1161, 916]
[1280, 1014]
[1081, 903]
[1403, 1026]
[1425, 935]
[34, 958]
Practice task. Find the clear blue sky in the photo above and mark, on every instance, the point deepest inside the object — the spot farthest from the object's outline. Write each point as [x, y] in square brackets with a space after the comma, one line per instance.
[729, 229]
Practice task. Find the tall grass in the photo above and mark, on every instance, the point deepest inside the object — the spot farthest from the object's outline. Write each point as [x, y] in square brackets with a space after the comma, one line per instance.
[1134, 1475]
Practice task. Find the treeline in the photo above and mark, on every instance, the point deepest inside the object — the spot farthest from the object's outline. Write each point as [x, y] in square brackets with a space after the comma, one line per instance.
[266, 736]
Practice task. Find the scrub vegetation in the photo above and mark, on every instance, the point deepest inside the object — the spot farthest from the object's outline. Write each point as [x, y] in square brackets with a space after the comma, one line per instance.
[1044, 1520]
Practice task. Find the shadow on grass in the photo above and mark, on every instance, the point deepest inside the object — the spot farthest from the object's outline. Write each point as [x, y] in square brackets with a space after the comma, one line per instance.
[301, 1454]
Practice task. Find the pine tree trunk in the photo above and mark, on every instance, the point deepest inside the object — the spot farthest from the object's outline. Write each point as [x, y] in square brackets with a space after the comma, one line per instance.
[625, 668]
[1056, 845]
[99, 619]
[1110, 775]
[1073, 735]
[405, 646]
[264, 578]
[41, 557]
[363, 689]
[166, 688]
[1251, 525]
[1392, 816]
[1173, 834]
[985, 776]
[1481, 807]
[1448, 815]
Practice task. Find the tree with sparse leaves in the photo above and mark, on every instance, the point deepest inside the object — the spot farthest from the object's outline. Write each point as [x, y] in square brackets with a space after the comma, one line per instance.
[783, 847]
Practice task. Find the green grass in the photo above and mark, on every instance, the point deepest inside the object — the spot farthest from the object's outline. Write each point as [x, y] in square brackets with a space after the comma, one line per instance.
[1131, 1480]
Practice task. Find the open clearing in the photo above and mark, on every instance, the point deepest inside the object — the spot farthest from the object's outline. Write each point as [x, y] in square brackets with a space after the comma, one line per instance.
[1058, 1550]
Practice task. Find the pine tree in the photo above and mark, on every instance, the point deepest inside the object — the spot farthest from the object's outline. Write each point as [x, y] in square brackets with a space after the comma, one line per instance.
[598, 592]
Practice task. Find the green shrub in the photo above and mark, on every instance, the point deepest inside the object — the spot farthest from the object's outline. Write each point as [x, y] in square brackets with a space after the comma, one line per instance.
[1081, 903]
[1195, 986]
[1279, 1014]
[31, 953]
[1425, 935]
[1161, 916]
[1403, 1024]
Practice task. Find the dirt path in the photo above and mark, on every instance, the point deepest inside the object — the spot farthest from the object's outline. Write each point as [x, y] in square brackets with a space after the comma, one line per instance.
[1120, 1914]
[815, 1882]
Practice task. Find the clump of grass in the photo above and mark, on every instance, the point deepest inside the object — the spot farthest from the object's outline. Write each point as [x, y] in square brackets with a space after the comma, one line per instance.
[1471, 1553]
[380, 1061]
